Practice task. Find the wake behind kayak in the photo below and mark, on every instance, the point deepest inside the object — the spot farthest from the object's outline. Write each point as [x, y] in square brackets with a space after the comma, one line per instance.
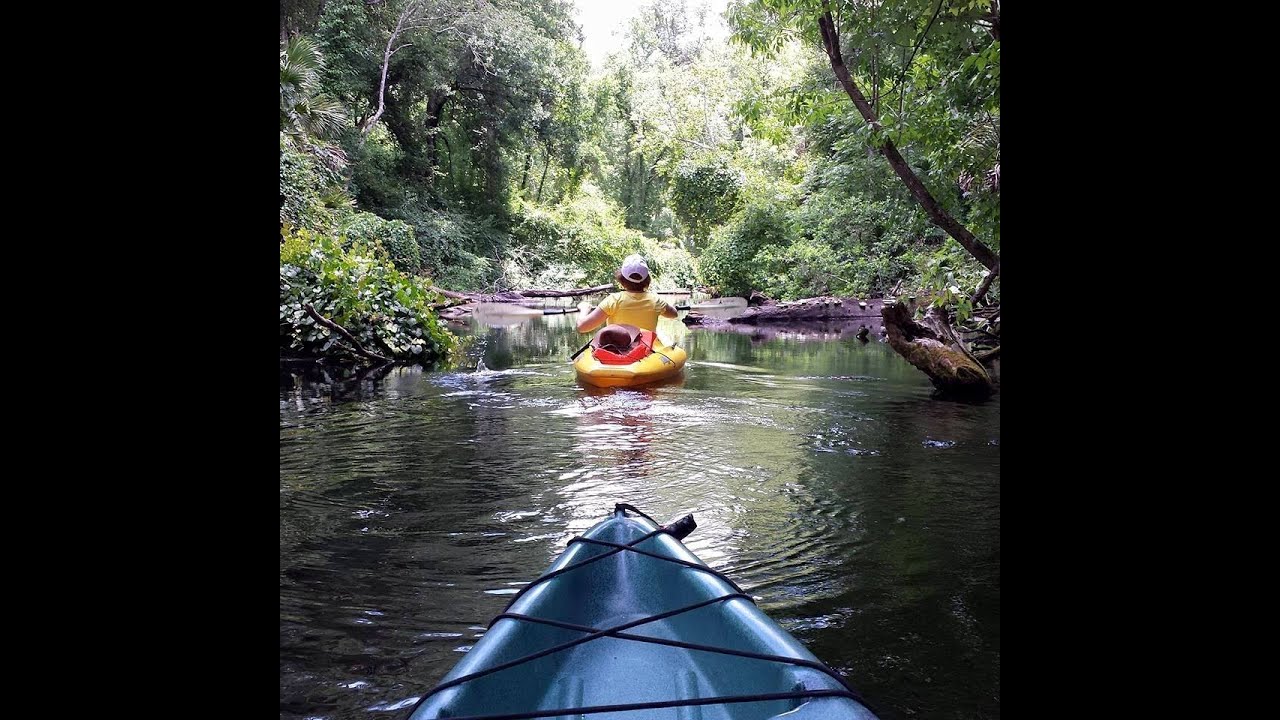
[627, 624]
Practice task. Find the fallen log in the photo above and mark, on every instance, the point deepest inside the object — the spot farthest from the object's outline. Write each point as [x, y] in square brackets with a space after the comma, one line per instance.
[452, 302]
[565, 293]
[819, 308]
[933, 349]
[802, 331]
[457, 310]
[519, 297]
[455, 314]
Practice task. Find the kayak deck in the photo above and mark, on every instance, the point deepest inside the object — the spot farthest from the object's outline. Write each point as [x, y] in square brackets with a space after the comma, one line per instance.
[575, 666]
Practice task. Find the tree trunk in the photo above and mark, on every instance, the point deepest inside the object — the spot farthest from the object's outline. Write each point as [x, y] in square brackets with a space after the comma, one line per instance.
[407, 14]
[935, 351]
[545, 165]
[939, 216]
[642, 172]
[435, 108]
[993, 17]
[464, 303]
[983, 288]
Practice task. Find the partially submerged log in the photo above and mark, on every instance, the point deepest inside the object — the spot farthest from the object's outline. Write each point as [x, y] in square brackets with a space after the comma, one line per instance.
[519, 296]
[720, 303]
[462, 304]
[801, 330]
[456, 314]
[510, 296]
[933, 349]
[577, 292]
[819, 308]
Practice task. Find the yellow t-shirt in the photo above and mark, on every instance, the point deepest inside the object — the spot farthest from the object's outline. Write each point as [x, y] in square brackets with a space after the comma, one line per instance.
[634, 308]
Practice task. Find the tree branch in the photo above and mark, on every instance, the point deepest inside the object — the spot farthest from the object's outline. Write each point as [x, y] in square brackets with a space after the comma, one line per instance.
[983, 288]
[408, 14]
[343, 332]
[935, 211]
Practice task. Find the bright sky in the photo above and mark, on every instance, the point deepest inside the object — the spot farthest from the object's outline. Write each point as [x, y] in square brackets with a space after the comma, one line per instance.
[604, 21]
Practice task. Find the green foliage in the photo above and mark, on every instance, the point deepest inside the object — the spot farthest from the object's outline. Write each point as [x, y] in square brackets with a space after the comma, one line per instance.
[670, 263]
[705, 195]
[479, 95]
[950, 277]
[305, 110]
[586, 234]
[502, 161]
[455, 248]
[730, 261]
[932, 76]
[374, 166]
[584, 241]
[856, 207]
[394, 236]
[311, 194]
[384, 309]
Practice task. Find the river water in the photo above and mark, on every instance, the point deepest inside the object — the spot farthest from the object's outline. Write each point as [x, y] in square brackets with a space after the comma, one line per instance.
[862, 513]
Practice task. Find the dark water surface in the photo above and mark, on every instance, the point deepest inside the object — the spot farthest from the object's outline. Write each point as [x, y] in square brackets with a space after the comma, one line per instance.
[863, 514]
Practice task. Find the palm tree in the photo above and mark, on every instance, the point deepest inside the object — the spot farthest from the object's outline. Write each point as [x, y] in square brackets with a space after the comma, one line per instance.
[304, 110]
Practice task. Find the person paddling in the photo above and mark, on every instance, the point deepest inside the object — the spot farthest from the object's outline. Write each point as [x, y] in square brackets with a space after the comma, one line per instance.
[628, 312]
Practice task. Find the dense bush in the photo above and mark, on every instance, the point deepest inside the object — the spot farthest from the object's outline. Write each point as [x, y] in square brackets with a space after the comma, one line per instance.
[704, 196]
[730, 262]
[384, 309]
[455, 248]
[583, 242]
[501, 160]
[394, 236]
[311, 194]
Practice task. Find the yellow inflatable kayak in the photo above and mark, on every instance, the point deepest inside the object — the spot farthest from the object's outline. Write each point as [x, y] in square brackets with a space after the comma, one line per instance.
[664, 362]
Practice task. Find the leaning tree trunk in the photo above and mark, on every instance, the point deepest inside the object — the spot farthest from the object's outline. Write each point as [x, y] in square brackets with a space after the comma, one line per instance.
[938, 214]
[934, 349]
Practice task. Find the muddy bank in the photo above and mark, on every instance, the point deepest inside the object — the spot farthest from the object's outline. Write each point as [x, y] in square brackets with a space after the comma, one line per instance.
[843, 310]
[801, 330]
[936, 351]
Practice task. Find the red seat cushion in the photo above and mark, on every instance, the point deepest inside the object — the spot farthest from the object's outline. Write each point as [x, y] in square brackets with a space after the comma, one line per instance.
[639, 351]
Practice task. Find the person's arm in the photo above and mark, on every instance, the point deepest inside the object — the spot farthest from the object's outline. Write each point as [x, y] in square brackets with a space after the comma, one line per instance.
[666, 309]
[593, 320]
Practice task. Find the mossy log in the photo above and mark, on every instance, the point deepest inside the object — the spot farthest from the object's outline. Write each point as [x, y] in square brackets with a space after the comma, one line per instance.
[933, 348]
